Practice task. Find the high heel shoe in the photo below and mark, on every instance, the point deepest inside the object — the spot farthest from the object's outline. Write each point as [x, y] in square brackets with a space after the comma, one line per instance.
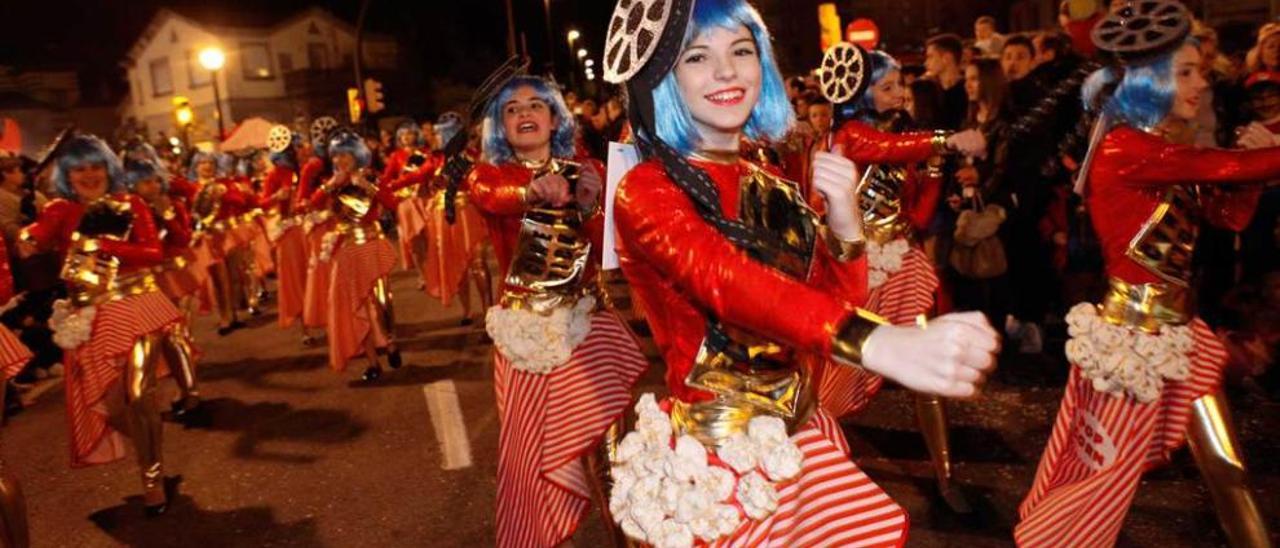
[394, 359]
[372, 374]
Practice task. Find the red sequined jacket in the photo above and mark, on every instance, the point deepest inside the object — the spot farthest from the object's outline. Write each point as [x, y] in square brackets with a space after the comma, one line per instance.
[60, 218]
[866, 145]
[498, 191]
[279, 178]
[1131, 171]
[681, 269]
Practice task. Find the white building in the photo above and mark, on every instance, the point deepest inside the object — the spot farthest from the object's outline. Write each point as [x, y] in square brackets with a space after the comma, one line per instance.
[298, 67]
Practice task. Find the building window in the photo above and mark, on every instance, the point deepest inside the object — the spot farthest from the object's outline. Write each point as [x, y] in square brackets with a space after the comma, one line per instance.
[285, 61]
[197, 75]
[255, 59]
[161, 77]
[317, 56]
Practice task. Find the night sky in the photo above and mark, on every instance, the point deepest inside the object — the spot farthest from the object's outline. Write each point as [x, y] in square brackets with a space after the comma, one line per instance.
[460, 40]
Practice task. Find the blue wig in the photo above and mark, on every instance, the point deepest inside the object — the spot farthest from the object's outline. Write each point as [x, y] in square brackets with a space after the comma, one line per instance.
[1144, 95]
[881, 65]
[137, 171]
[83, 150]
[497, 149]
[772, 116]
[410, 128]
[288, 158]
[350, 142]
[448, 126]
[202, 156]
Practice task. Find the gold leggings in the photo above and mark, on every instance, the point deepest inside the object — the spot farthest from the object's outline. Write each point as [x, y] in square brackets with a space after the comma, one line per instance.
[135, 412]
[1213, 443]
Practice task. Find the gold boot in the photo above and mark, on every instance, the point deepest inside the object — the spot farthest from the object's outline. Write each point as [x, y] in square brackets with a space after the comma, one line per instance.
[1213, 442]
[143, 417]
[931, 416]
[178, 354]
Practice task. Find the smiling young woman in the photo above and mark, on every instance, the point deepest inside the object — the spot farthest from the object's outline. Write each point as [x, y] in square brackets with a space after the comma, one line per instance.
[564, 363]
[745, 287]
[1146, 371]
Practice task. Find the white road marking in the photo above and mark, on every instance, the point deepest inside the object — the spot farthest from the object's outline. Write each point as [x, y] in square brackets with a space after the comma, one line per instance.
[451, 429]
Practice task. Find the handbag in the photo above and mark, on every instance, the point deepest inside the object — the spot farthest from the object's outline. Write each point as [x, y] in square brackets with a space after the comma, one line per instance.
[978, 252]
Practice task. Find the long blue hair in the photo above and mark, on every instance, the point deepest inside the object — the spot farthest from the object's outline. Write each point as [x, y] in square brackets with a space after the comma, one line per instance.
[497, 149]
[881, 65]
[772, 116]
[83, 150]
[1143, 94]
[411, 128]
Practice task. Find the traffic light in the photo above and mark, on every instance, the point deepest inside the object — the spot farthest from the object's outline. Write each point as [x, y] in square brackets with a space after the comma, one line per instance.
[182, 112]
[373, 95]
[354, 106]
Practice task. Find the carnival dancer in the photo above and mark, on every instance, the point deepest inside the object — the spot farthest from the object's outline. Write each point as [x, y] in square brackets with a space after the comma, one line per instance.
[456, 251]
[180, 276]
[360, 258]
[279, 197]
[216, 210]
[414, 163]
[563, 363]
[115, 318]
[316, 224]
[751, 299]
[898, 196]
[1146, 372]
[260, 218]
[14, 356]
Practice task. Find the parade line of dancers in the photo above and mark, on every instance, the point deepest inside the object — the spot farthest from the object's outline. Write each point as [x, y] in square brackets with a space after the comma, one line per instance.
[779, 307]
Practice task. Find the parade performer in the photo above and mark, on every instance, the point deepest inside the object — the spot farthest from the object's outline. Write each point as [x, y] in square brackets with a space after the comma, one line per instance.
[279, 197]
[456, 251]
[260, 220]
[14, 356]
[751, 298]
[412, 165]
[359, 258]
[180, 276]
[216, 210]
[114, 319]
[316, 224]
[898, 197]
[1146, 372]
[564, 364]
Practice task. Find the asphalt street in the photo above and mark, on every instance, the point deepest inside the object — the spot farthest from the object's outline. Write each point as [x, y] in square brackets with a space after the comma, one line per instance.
[291, 453]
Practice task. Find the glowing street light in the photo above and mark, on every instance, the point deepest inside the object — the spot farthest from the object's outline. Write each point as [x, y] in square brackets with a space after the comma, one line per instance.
[574, 35]
[582, 53]
[590, 63]
[213, 59]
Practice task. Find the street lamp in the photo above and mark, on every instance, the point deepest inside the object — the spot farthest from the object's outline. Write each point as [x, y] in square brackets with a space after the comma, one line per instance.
[582, 53]
[213, 59]
[574, 35]
[590, 63]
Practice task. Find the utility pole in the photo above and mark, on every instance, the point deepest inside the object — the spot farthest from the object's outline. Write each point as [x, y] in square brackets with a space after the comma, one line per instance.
[511, 30]
[551, 43]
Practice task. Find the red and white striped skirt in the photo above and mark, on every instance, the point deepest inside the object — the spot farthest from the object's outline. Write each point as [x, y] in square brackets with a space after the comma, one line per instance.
[831, 503]
[1100, 447]
[452, 246]
[907, 294]
[264, 261]
[315, 304]
[356, 268]
[291, 275]
[411, 223]
[93, 367]
[178, 283]
[549, 422]
[13, 355]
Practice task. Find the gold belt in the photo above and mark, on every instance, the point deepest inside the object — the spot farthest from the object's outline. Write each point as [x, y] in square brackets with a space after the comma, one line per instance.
[1147, 307]
[883, 234]
[713, 422]
[139, 283]
[545, 302]
[360, 233]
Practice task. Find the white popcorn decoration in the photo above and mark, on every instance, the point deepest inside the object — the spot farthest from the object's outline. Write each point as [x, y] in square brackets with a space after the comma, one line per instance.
[328, 245]
[71, 326]
[667, 493]
[536, 343]
[1121, 361]
[885, 260]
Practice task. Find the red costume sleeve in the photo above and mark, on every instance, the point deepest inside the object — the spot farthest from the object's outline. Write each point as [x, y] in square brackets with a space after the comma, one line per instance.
[395, 165]
[178, 229]
[6, 275]
[143, 248]
[659, 223]
[866, 145]
[1231, 208]
[1147, 160]
[182, 188]
[49, 230]
[308, 182]
[498, 191]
